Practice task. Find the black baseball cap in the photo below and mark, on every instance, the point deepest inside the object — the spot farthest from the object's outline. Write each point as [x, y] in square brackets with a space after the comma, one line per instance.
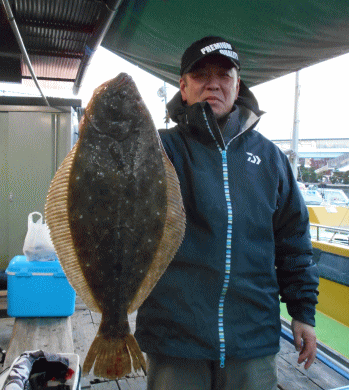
[207, 46]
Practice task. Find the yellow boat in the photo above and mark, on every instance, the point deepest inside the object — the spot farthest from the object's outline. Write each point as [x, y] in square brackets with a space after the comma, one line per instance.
[330, 239]
[329, 215]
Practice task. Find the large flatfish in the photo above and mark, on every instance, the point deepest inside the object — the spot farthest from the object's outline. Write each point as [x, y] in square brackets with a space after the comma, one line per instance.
[116, 217]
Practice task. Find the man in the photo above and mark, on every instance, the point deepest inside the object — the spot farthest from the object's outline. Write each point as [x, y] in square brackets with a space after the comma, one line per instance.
[213, 322]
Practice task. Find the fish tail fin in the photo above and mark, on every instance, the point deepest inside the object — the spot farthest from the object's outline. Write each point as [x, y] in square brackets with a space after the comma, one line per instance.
[136, 353]
[112, 358]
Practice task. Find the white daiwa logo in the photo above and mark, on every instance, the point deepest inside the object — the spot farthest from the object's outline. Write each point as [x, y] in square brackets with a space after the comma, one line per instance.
[253, 159]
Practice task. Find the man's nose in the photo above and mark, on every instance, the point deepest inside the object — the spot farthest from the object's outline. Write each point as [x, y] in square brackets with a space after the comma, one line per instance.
[212, 81]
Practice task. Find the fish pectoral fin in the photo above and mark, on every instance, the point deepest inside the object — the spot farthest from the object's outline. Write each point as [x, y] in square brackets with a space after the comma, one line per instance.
[115, 151]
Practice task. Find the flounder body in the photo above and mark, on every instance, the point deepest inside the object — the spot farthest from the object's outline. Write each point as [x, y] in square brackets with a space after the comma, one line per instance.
[116, 218]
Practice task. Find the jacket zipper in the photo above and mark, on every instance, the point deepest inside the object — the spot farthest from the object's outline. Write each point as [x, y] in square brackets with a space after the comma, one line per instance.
[222, 351]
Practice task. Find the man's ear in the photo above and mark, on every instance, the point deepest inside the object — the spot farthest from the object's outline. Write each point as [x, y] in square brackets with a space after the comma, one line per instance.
[237, 88]
[182, 87]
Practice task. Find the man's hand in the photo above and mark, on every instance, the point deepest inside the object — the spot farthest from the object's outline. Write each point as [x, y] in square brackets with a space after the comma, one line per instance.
[304, 341]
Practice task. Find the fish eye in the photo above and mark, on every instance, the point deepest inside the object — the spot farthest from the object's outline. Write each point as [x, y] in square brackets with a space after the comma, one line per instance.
[122, 95]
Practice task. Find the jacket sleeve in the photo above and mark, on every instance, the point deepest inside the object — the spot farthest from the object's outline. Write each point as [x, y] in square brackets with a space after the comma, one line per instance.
[297, 273]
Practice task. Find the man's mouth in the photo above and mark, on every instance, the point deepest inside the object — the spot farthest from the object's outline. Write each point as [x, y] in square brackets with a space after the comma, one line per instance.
[212, 98]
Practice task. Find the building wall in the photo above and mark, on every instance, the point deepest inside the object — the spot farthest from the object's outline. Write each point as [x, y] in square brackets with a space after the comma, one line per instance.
[4, 192]
[33, 145]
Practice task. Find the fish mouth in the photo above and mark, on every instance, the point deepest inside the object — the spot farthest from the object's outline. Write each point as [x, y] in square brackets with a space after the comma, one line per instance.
[122, 79]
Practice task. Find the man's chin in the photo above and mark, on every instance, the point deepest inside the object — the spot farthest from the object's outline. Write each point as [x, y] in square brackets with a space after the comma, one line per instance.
[218, 112]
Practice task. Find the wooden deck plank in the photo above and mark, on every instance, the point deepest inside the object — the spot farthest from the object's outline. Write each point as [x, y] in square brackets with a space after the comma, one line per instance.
[84, 324]
[84, 332]
[105, 385]
[6, 326]
[139, 383]
[289, 378]
[3, 304]
[322, 375]
[51, 334]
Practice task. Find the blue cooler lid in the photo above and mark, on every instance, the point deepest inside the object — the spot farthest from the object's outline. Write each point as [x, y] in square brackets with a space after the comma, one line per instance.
[20, 266]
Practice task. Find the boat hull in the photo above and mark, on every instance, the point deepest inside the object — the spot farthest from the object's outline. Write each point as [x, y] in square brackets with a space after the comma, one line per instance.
[333, 263]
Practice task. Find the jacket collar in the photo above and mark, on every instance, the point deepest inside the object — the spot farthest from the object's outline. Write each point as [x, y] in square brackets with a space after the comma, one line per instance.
[199, 116]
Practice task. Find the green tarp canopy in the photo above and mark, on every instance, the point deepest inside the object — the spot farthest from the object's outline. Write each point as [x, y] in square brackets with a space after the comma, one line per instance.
[273, 37]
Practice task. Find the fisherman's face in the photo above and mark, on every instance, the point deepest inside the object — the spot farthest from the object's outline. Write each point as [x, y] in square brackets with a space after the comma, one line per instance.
[213, 82]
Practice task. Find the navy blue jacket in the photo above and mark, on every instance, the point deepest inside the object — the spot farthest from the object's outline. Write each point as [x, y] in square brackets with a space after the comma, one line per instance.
[246, 242]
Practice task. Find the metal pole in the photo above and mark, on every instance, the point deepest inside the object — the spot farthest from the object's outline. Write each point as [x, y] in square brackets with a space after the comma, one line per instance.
[163, 94]
[106, 17]
[165, 104]
[15, 30]
[295, 133]
[55, 152]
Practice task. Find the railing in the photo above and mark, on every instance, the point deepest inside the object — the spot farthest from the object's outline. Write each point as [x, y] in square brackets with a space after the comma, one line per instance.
[344, 239]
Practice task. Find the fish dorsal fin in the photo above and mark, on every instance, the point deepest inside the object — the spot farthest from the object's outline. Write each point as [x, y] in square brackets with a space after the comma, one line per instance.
[171, 239]
[57, 218]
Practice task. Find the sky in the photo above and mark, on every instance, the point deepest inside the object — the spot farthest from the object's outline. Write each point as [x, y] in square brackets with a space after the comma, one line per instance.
[323, 102]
